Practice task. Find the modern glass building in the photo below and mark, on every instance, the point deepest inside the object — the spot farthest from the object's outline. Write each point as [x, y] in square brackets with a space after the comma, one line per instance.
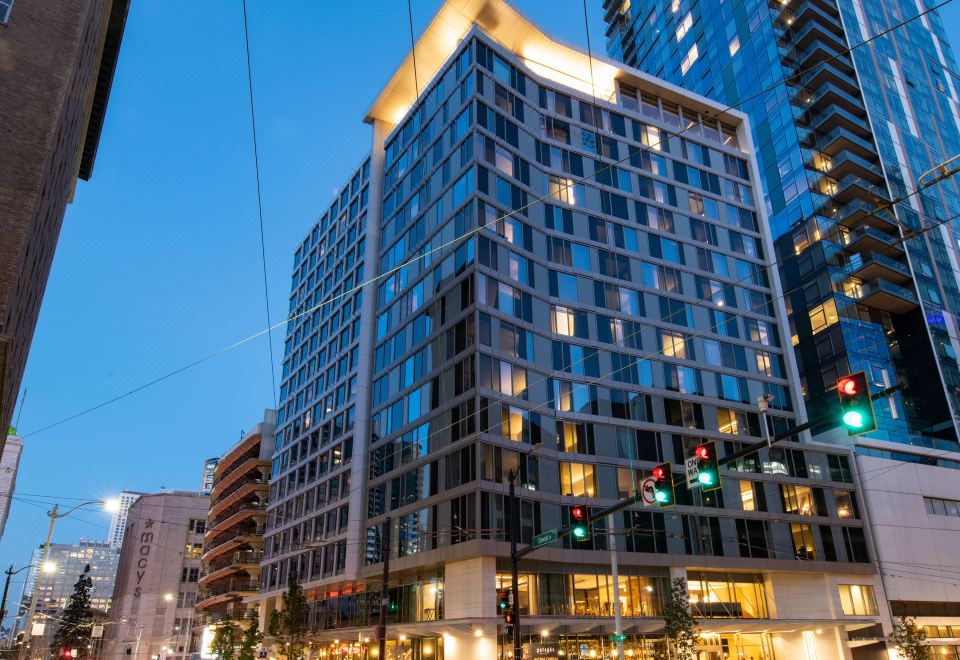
[847, 117]
[564, 290]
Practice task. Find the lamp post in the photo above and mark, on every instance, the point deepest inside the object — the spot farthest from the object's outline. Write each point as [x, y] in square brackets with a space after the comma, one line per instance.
[54, 515]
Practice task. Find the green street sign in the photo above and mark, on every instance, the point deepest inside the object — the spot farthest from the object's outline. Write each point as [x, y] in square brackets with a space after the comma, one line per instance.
[544, 539]
[618, 638]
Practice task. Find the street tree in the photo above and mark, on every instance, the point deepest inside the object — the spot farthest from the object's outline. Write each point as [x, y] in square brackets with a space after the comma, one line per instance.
[223, 646]
[679, 625]
[76, 620]
[288, 626]
[251, 639]
[908, 638]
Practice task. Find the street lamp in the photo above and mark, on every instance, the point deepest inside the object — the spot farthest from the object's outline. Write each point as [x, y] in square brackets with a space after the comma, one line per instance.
[111, 505]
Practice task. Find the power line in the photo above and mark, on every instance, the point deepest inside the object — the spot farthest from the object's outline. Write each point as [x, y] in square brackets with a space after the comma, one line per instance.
[256, 162]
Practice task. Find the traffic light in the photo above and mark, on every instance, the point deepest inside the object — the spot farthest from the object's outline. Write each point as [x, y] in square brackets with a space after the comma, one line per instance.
[708, 474]
[581, 526]
[856, 407]
[663, 485]
[504, 600]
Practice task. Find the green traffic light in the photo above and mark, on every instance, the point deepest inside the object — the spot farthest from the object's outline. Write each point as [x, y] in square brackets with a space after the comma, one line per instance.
[853, 419]
[580, 532]
[661, 496]
[705, 478]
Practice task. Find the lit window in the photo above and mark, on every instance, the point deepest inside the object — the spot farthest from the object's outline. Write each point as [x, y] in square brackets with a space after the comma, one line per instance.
[562, 320]
[734, 46]
[577, 479]
[823, 316]
[747, 497]
[562, 189]
[684, 26]
[688, 61]
[675, 6]
[857, 599]
[673, 344]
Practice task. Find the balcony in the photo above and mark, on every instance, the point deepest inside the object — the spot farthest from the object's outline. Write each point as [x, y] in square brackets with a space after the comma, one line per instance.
[888, 297]
[243, 561]
[238, 471]
[235, 515]
[861, 213]
[874, 266]
[847, 163]
[830, 94]
[231, 541]
[872, 241]
[834, 116]
[840, 139]
[852, 187]
[230, 591]
[810, 24]
[819, 51]
[826, 73]
[240, 490]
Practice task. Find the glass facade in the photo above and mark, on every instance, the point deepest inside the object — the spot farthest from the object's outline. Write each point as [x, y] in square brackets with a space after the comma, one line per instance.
[842, 135]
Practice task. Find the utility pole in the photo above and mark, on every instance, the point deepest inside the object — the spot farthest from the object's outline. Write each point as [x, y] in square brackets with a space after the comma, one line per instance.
[513, 515]
[615, 573]
[384, 595]
[28, 630]
[6, 588]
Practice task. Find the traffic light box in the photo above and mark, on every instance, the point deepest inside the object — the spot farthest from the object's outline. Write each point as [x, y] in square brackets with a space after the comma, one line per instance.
[663, 492]
[856, 406]
[505, 601]
[580, 523]
[708, 465]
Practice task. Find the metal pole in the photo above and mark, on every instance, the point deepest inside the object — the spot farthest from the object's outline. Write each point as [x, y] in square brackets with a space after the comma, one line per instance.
[33, 597]
[614, 569]
[136, 648]
[6, 588]
[513, 516]
[385, 595]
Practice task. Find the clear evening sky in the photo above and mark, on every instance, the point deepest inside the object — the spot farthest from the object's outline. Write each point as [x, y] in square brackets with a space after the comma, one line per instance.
[158, 262]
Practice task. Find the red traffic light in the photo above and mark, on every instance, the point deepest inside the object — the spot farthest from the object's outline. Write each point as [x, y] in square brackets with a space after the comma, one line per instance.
[703, 452]
[659, 473]
[578, 513]
[848, 386]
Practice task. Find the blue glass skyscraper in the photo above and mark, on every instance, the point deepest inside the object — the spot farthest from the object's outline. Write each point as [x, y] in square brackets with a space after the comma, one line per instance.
[852, 103]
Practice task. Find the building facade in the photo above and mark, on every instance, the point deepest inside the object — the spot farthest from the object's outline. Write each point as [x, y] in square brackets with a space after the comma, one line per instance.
[9, 464]
[847, 116]
[569, 292]
[118, 521]
[67, 562]
[59, 60]
[152, 610]
[206, 479]
[230, 566]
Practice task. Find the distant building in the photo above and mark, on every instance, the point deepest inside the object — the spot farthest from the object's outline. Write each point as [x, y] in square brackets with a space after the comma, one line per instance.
[118, 523]
[58, 64]
[156, 586]
[9, 463]
[206, 480]
[69, 561]
[234, 539]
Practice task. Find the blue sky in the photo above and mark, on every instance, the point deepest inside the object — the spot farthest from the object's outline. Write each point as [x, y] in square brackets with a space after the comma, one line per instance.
[159, 259]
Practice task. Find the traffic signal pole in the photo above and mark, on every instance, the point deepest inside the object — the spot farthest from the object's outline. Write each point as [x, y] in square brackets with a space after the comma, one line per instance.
[514, 518]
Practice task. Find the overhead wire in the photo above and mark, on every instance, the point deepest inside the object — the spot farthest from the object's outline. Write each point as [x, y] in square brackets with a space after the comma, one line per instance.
[570, 183]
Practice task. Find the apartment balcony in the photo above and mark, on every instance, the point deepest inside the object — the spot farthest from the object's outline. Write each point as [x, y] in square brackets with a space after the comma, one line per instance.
[827, 73]
[840, 139]
[811, 23]
[846, 164]
[830, 94]
[820, 51]
[849, 188]
[872, 241]
[834, 116]
[879, 266]
[862, 213]
[887, 296]
[793, 6]
[242, 490]
[230, 591]
[235, 516]
[231, 541]
[244, 561]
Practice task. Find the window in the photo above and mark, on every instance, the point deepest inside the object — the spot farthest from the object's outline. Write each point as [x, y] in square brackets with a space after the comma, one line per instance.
[684, 27]
[857, 599]
[193, 551]
[727, 595]
[823, 316]
[5, 7]
[734, 46]
[847, 504]
[935, 506]
[798, 500]
[577, 480]
[189, 574]
[198, 526]
[802, 536]
[752, 496]
[562, 320]
[688, 61]
[565, 190]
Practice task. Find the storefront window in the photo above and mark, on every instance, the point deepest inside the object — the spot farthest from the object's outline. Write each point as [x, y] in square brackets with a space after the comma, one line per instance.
[727, 595]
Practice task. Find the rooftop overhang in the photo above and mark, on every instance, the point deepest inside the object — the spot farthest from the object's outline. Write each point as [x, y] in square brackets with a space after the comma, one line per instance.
[565, 64]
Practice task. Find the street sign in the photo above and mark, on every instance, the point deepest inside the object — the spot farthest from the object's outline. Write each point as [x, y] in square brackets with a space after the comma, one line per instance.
[545, 538]
[96, 630]
[618, 638]
[692, 468]
[648, 490]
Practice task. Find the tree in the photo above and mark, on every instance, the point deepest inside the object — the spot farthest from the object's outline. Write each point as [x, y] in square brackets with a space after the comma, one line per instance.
[908, 639]
[288, 626]
[76, 621]
[224, 642]
[679, 624]
[251, 639]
